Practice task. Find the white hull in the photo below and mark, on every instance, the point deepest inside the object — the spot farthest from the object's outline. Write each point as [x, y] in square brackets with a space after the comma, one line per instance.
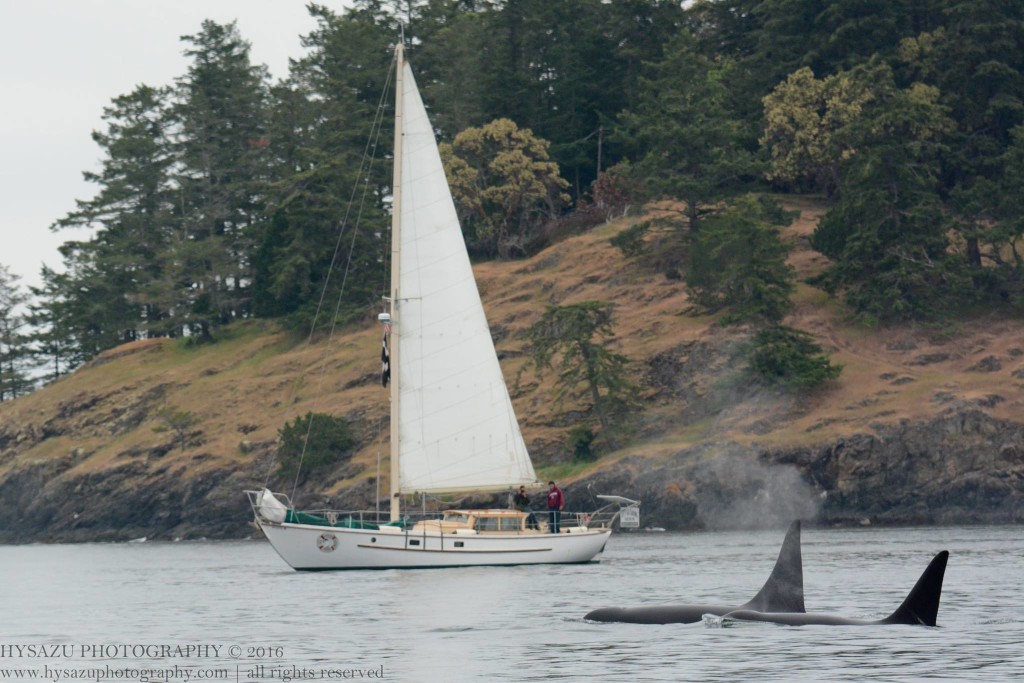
[315, 547]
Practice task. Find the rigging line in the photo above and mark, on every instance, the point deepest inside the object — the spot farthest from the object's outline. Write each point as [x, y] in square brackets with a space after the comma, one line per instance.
[370, 151]
[351, 250]
[371, 142]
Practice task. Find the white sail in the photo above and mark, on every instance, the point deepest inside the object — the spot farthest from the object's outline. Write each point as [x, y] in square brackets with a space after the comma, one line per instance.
[457, 427]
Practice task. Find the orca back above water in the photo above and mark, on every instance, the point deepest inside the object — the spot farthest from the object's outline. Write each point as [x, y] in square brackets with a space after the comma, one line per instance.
[921, 606]
[782, 592]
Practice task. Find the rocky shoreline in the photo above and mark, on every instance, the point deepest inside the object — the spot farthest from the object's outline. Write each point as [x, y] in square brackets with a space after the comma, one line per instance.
[962, 467]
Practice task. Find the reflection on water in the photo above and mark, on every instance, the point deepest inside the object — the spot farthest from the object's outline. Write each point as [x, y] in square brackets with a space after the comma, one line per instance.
[525, 623]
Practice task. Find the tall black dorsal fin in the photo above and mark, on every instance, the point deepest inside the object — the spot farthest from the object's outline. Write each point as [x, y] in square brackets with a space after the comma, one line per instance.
[784, 589]
[922, 604]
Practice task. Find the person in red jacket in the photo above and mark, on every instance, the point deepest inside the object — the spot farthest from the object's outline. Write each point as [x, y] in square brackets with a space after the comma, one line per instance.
[556, 502]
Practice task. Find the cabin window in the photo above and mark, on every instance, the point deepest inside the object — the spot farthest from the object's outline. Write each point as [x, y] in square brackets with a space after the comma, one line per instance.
[414, 542]
[456, 517]
[459, 544]
[511, 524]
[488, 523]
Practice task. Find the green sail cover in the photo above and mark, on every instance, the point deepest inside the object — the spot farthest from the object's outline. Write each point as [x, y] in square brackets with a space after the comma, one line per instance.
[296, 517]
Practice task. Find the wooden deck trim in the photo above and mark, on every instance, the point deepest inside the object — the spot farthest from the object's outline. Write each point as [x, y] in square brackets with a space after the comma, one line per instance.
[455, 550]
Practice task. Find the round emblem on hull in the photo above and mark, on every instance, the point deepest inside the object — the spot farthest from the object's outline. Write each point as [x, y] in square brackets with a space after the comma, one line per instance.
[327, 542]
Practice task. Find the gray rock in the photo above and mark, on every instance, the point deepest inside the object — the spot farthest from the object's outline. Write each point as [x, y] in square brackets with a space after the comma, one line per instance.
[987, 364]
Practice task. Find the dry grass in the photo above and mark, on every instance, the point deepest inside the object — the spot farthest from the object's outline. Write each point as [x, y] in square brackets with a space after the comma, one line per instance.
[246, 386]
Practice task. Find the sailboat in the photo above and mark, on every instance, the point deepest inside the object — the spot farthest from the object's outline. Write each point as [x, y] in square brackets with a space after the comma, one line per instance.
[453, 427]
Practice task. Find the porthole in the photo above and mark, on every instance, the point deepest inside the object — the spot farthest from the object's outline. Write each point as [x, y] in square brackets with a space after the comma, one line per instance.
[373, 539]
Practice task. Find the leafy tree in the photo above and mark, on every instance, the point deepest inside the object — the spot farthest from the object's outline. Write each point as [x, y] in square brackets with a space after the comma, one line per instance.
[504, 186]
[805, 124]
[614, 191]
[586, 366]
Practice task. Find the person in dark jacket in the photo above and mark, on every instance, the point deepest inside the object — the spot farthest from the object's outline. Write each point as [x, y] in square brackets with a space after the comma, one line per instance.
[522, 503]
[556, 502]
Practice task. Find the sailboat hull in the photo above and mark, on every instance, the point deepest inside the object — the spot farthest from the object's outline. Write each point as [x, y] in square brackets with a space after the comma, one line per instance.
[306, 547]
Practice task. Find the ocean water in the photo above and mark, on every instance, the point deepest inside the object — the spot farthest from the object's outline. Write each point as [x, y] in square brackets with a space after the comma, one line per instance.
[234, 611]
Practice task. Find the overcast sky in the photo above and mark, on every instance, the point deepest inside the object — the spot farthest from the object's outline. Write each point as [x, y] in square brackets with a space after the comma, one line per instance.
[62, 61]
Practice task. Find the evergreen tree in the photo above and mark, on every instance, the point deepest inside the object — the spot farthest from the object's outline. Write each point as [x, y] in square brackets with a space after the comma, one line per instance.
[887, 235]
[220, 150]
[451, 65]
[88, 302]
[770, 39]
[14, 348]
[586, 366]
[688, 143]
[562, 69]
[848, 33]
[131, 215]
[54, 337]
[976, 59]
[790, 358]
[996, 210]
[325, 221]
[312, 442]
[738, 262]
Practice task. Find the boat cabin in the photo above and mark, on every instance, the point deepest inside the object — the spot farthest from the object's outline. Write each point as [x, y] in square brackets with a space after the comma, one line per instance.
[476, 521]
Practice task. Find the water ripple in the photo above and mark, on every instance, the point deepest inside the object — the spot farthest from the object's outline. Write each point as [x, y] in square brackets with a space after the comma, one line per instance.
[526, 623]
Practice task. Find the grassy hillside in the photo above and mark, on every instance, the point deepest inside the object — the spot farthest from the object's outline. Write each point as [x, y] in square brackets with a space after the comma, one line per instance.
[92, 433]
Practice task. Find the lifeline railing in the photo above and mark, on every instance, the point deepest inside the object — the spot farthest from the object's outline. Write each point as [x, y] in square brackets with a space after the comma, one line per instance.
[603, 517]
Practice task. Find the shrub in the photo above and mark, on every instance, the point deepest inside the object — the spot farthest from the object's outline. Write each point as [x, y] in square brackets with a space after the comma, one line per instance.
[791, 358]
[580, 439]
[312, 442]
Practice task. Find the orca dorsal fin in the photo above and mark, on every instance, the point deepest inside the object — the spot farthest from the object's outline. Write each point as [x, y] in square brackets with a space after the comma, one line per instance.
[922, 603]
[784, 589]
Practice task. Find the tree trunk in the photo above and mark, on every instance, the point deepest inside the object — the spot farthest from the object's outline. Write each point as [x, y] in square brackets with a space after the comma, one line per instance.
[595, 396]
[692, 215]
[973, 253]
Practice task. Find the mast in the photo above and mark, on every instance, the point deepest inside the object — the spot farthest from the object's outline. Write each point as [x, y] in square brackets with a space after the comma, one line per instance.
[396, 241]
